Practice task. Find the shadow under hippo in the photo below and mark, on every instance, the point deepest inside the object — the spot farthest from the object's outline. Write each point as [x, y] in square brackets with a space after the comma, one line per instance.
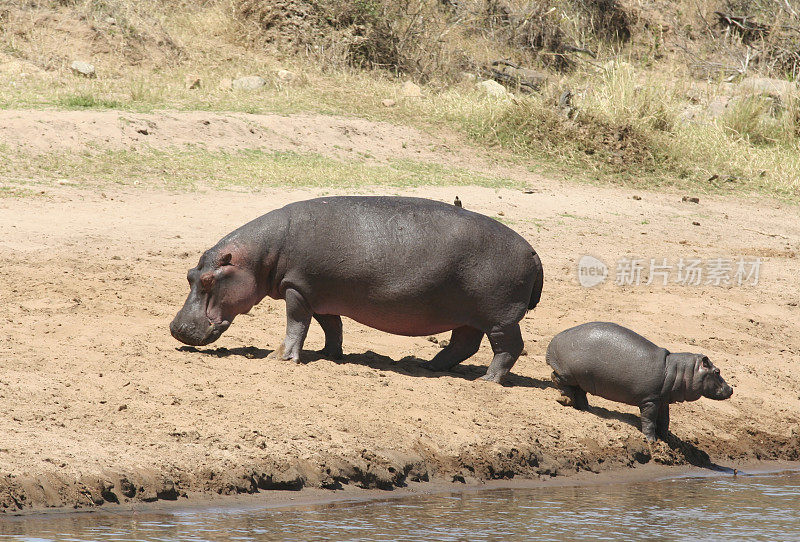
[409, 365]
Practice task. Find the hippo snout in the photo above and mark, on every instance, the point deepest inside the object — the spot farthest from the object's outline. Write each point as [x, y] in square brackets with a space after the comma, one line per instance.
[727, 391]
[196, 335]
[722, 392]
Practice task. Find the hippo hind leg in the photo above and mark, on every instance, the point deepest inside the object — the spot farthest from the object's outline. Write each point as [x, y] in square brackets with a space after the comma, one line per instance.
[332, 326]
[571, 395]
[464, 342]
[507, 345]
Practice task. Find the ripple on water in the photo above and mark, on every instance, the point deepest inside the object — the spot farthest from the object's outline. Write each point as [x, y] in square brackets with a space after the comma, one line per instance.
[733, 508]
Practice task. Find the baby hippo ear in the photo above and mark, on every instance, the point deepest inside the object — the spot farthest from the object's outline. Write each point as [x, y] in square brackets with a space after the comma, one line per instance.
[705, 363]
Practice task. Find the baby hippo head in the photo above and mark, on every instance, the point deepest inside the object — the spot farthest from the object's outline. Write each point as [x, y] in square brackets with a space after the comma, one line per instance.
[712, 384]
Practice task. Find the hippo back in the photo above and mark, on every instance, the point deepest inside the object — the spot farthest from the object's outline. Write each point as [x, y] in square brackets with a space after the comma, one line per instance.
[409, 266]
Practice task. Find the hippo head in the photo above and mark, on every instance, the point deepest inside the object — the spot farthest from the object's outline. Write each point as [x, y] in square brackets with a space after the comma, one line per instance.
[221, 287]
[712, 384]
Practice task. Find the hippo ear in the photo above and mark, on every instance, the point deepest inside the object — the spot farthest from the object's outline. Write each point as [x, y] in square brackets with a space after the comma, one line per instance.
[705, 362]
[225, 260]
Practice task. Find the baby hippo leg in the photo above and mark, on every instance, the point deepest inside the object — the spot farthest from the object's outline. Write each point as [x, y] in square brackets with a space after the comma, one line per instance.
[571, 395]
[662, 424]
[650, 412]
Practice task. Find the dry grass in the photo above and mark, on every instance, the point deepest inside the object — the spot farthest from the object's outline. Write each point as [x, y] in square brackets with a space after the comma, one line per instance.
[198, 168]
[627, 124]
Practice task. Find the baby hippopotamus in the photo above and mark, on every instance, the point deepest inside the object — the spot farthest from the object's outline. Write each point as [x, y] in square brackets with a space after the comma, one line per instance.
[613, 362]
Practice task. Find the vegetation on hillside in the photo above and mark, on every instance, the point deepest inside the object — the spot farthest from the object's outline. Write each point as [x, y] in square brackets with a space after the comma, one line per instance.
[647, 92]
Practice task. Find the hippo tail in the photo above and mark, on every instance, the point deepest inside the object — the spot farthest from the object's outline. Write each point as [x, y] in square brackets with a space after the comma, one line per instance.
[538, 282]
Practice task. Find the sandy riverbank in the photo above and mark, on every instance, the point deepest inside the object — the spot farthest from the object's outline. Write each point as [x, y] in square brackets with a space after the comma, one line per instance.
[313, 498]
[100, 404]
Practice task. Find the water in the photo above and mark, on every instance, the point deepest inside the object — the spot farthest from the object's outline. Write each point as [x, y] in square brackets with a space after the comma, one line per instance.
[762, 507]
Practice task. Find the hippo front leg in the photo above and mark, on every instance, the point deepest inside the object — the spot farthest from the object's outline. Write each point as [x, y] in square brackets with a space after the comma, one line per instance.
[507, 345]
[649, 414]
[662, 425]
[332, 326]
[298, 318]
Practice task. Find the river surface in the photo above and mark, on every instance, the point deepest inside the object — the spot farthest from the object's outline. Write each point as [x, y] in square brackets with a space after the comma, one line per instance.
[750, 507]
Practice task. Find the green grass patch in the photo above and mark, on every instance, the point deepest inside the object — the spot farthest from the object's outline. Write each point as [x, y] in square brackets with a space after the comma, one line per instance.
[17, 192]
[193, 168]
[625, 128]
[86, 101]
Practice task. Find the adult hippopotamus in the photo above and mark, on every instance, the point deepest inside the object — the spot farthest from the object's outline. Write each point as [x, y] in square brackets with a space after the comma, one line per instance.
[613, 362]
[408, 266]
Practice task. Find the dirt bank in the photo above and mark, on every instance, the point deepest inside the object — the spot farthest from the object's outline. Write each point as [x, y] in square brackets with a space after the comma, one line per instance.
[98, 403]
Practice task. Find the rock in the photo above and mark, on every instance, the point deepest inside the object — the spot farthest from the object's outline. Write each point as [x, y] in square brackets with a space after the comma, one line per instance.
[690, 113]
[411, 90]
[225, 84]
[492, 88]
[693, 95]
[107, 492]
[695, 223]
[637, 198]
[286, 76]
[565, 99]
[531, 76]
[444, 343]
[433, 339]
[111, 20]
[289, 480]
[768, 85]
[85, 69]
[122, 407]
[127, 488]
[524, 77]
[167, 491]
[691, 199]
[250, 82]
[468, 77]
[718, 105]
[388, 102]
[192, 82]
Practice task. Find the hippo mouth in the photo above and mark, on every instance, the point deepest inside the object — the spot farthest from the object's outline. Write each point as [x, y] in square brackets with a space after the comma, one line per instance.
[723, 393]
[191, 335]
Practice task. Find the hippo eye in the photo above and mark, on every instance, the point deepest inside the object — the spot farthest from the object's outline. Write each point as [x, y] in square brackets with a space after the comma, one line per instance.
[207, 281]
